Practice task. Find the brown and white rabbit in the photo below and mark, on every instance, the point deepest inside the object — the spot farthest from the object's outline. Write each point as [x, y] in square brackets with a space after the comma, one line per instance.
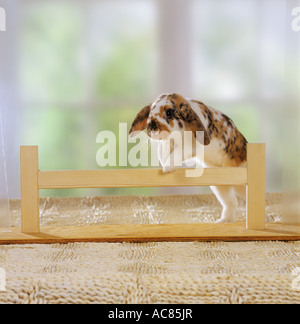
[224, 145]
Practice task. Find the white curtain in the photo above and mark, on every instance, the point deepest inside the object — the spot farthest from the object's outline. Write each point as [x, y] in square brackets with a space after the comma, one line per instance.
[9, 94]
[291, 116]
[4, 201]
[9, 169]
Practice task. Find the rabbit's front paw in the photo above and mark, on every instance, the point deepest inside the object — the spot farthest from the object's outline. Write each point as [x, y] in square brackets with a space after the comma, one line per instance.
[225, 220]
[167, 169]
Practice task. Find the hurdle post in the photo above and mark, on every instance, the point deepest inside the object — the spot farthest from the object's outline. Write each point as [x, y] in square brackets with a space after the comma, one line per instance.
[32, 180]
[255, 197]
[29, 190]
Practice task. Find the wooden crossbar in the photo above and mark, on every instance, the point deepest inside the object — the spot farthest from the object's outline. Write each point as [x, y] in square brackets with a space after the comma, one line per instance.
[252, 176]
[131, 178]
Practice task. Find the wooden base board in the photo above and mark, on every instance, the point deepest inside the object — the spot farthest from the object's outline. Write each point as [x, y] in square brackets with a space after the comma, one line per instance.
[153, 232]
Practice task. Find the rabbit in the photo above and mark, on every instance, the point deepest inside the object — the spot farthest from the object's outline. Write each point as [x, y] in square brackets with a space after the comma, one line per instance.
[224, 145]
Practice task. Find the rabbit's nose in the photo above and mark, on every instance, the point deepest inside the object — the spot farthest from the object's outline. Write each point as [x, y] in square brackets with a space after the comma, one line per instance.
[153, 125]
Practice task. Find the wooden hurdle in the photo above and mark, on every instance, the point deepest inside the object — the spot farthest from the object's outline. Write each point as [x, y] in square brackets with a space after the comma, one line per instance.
[252, 176]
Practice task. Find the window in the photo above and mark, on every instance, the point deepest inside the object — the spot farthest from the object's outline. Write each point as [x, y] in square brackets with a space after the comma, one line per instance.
[84, 66]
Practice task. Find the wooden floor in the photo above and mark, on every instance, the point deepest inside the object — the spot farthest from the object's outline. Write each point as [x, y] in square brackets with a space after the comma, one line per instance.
[157, 232]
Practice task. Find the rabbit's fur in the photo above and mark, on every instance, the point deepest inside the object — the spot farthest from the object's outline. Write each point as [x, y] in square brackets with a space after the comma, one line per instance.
[224, 145]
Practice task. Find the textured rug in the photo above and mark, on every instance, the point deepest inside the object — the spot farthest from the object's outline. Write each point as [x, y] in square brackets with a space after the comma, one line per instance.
[164, 272]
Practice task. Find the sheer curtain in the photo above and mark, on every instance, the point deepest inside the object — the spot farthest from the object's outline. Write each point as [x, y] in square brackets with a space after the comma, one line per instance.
[9, 165]
[4, 201]
[291, 116]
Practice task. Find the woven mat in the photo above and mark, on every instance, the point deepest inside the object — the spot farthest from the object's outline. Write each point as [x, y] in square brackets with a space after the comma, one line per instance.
[164, 272]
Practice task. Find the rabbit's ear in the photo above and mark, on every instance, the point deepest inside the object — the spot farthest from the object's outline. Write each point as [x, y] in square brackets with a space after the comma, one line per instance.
[194, 124]
[140, 121]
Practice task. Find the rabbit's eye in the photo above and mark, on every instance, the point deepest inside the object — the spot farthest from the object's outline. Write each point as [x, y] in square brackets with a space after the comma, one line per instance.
[169, 113]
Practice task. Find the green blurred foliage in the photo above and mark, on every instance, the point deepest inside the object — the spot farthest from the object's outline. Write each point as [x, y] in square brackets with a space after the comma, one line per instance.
[51, 43]
[125, 73]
